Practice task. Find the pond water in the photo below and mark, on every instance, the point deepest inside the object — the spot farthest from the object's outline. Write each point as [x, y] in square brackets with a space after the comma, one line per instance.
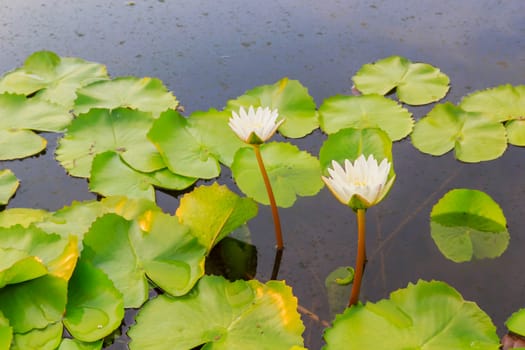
[208, 52]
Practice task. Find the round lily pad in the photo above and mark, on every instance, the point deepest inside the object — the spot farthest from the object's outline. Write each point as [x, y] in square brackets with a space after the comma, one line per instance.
[467, 224]
[291, 172]
[8, 185]
[473, 137]
[516, 322]
[365, 111]
[221, 315]
[425, 315]
[415, 83]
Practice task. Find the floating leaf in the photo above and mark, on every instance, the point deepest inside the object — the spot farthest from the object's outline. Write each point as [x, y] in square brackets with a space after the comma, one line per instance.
[6, 332]
[166, 253]
[468, 224]
[211, 129]
[120, 130]
[213, 212]
[35, 303]
[290, 98]
[338, 287]
[54, 78]
[182, 152]
[47, 338]
[18, 116]
[222, 315]
[18, 266]
[365, 111]
[474, 138]
[351, 143]
[292, 173]
[143, 94]
[8, 185]
[505, 103]
[516, 322]
[95, 307]
[427, 315]
[415, 83]
[74, 344]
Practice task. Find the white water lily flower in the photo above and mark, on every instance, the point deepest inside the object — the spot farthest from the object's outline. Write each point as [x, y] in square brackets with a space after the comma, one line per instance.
[255, 126]
[361, 184]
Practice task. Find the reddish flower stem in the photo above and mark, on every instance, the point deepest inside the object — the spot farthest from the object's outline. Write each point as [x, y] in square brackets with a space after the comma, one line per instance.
[275, 212]
[361, 256]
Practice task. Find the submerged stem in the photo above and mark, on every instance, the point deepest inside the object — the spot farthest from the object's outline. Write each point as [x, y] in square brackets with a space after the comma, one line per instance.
[275, 212]
[361, 256]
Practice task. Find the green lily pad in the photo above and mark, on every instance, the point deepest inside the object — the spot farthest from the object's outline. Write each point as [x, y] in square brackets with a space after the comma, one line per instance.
[351, 143]
[292, 101]
[22, 216]
[110, 176]
[427, 315]
[8, 185]
[415, 83]
[182, 152]
[143, 94]
[74, 344]
[213, 212]
[467, 224]
[291, 172]
[95, 308]
[47, 338]
[6, 332]
[54, 78]
[18, 116]
[365, 111]
[516, 322]
[474, 137]
[120, 130]
[222, 315]
[35, 303]
[18, 266]
[166, 253]
[504, 103]
[211, 129]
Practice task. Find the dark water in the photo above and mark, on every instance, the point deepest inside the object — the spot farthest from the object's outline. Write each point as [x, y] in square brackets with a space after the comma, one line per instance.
[210, 51]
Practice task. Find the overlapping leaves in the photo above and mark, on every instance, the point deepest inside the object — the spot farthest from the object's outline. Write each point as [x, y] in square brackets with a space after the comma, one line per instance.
[52, 78]
[427, 315]
[505, 103]
[221, 315]
[467, 224]
[415, 83]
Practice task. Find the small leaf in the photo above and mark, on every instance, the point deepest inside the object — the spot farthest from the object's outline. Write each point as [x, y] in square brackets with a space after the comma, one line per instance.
[222, 315]
[143, 94]
[213, 212]
[16, 144]
[351, 143]
[182, 152]
[468, 224]
[54, 78]
[292, 101]
[291, 172]
[119, 130]
[415, 83]
[427, 315]
[474, 137]
[47, 338]
[516, 322]
[338, 287]
[365, 111]
[8, 185]
[95, 307]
